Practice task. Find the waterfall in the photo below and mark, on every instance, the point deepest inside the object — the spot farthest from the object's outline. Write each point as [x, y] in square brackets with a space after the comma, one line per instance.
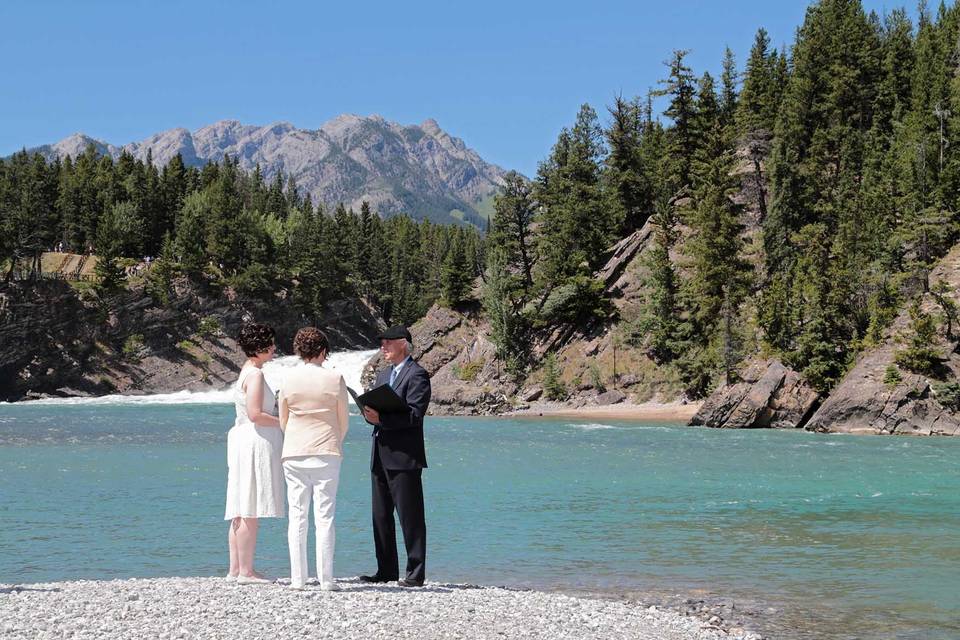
[348, 363]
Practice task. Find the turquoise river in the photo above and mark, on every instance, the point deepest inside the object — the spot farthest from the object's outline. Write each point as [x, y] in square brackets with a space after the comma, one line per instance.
[823, 536]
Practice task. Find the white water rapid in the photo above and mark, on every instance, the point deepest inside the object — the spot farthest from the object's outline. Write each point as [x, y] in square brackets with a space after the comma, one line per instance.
[348, 363]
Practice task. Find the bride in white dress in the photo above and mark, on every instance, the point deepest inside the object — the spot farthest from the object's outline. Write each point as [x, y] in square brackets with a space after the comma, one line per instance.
[255, 484]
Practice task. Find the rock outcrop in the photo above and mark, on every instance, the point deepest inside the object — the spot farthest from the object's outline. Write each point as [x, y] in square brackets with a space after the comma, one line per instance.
[466, 379]
[864, 403]
[52, 343]
[769, 395]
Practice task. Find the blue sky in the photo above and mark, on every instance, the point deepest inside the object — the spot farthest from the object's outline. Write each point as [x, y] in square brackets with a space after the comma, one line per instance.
[503, 76]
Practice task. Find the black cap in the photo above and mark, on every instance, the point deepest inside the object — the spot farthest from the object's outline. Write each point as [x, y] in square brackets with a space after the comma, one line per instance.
[396, 332]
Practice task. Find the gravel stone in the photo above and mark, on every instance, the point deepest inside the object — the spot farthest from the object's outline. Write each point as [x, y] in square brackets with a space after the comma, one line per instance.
[210, 608]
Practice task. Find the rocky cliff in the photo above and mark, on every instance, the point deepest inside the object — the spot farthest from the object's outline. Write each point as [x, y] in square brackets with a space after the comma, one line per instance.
[54, 342]
[598, 367]
[867, 400]
[420, 170]
[454, 347]
[864, 403]
[768, 395]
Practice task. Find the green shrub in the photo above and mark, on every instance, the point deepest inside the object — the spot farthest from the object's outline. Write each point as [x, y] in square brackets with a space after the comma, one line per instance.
[891, 376]
[948, 395]
[596, 379]
[553, 387]
[255, 279]
[920, 356]
[469, 371]
[209, 326]
[132, 346]
[578, 300]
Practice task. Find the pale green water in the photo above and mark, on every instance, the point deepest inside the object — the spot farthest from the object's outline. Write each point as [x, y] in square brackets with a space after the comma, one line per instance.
[846, 536]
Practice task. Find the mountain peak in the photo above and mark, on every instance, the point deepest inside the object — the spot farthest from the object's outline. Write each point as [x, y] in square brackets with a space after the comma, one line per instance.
[349, 159]
[431, 127]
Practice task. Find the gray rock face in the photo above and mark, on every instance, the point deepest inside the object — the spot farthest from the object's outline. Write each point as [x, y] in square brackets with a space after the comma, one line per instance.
[52, 343]
[769, 396]
[613, 396]
[466, 379]
[419, 170]
[863, 403]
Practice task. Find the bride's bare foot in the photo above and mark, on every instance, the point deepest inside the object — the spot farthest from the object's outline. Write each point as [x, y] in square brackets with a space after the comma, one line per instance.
[254, 577]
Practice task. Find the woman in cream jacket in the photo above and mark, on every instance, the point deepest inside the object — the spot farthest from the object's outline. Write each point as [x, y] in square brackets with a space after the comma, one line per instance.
[313, 416]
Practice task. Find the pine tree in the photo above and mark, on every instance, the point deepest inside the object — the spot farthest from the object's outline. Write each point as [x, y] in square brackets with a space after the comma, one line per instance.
[720, 272]
[511, 231]
[576, 227]
[380, 290]
[501, 305]
[941, 292]
[553, 387]
[659, 326]
[920, 354]
[159, 279]
[189, 238]
[31, 222]
[118, 235]
[757, 107]
[681, 137]
[456, 276]
[363, 250]
[728, 89]
[817, 171]
[345, 230]
[630, 186]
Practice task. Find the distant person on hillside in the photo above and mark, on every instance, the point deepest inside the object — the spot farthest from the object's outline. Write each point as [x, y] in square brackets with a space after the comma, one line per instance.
[314, 419]
[397, 462]
[254, 475]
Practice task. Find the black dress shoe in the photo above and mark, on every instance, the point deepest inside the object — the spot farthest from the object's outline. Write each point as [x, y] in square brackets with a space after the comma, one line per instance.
[376, 578]
[409, 583]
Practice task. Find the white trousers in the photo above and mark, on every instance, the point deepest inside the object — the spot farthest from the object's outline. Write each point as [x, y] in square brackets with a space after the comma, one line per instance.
[316, 478]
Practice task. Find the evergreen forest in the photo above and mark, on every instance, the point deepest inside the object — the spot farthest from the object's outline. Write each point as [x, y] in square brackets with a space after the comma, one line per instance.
[797, 204]
[222, 227]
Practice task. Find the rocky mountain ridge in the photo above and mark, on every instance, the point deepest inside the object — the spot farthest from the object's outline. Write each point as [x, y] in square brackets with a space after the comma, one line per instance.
[55, 342]
[420, 170]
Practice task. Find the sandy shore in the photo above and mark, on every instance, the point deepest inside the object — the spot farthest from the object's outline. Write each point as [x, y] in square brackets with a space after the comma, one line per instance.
[168, 608]
[648, 411]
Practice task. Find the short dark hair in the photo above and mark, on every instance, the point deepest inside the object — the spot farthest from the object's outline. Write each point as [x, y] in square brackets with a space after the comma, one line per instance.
[255, 338]
[310, 342]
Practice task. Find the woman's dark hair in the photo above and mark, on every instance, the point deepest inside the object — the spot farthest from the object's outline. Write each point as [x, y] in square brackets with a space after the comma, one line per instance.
[310, 342]
[255, 338]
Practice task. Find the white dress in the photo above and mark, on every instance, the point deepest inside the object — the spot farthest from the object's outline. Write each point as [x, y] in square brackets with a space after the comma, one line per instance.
[255, 483]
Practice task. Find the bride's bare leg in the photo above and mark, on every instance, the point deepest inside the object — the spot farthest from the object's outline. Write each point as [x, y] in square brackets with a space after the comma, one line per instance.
[247, 544]
[232, 544]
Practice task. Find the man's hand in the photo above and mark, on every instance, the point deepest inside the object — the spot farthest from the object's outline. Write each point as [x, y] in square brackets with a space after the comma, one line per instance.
[371, 415]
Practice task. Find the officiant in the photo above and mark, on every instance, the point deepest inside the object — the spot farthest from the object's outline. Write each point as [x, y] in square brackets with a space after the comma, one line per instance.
[397, 461]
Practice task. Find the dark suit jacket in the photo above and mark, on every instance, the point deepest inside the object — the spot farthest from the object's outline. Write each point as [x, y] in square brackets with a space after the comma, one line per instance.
[399, 436]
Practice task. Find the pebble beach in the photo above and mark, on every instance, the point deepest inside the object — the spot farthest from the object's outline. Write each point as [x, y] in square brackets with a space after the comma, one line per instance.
[170, 608]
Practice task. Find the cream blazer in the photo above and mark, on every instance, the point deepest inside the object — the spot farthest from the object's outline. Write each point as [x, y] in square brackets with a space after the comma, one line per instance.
[313, 412]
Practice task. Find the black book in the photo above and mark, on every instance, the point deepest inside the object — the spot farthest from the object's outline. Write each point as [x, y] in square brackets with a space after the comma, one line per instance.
[383, 398]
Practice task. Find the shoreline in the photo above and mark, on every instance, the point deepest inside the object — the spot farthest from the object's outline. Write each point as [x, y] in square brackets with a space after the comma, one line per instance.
[647, 411]
[667, 411]
[214, 608]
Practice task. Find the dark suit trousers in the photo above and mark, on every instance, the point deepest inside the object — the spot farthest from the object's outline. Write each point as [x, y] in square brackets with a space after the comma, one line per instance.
[403, 491]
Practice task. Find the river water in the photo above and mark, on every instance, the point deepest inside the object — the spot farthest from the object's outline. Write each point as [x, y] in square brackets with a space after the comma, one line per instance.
[824, 536]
